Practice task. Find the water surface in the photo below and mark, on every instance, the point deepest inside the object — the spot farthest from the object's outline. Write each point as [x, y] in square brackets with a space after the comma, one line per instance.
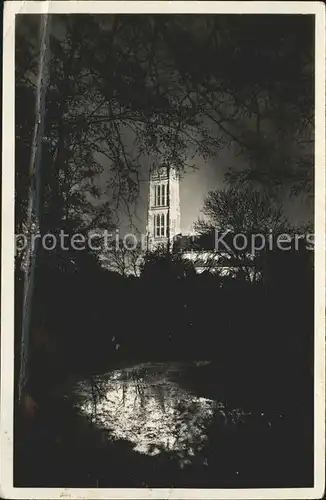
[148, 406]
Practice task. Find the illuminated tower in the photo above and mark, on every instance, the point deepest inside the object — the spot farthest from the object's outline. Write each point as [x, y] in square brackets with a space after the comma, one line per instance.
[163, 221]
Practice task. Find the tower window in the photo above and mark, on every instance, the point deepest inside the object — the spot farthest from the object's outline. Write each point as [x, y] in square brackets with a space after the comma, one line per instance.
[162, 225]
[159, 225]
[163, 195]
[160, 195]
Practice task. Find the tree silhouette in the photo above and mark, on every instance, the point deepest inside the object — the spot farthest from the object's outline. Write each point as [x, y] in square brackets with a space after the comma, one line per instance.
[246, 213]
[244, 97]
[124, 258]
[164, 264]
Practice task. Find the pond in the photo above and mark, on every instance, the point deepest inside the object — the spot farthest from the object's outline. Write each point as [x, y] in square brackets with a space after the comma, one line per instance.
[167, 425]
[150, 406]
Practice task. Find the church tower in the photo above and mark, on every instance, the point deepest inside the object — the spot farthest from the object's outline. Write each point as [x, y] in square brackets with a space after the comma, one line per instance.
[163, 221]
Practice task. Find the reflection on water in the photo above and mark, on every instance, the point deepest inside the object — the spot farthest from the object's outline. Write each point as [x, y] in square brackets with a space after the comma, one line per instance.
[146, 406]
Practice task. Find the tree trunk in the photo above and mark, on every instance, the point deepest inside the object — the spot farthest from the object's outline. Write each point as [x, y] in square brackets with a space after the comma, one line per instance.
[34, 206]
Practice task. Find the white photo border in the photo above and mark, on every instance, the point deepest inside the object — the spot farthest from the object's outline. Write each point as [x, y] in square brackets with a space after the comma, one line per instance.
[11, 8]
